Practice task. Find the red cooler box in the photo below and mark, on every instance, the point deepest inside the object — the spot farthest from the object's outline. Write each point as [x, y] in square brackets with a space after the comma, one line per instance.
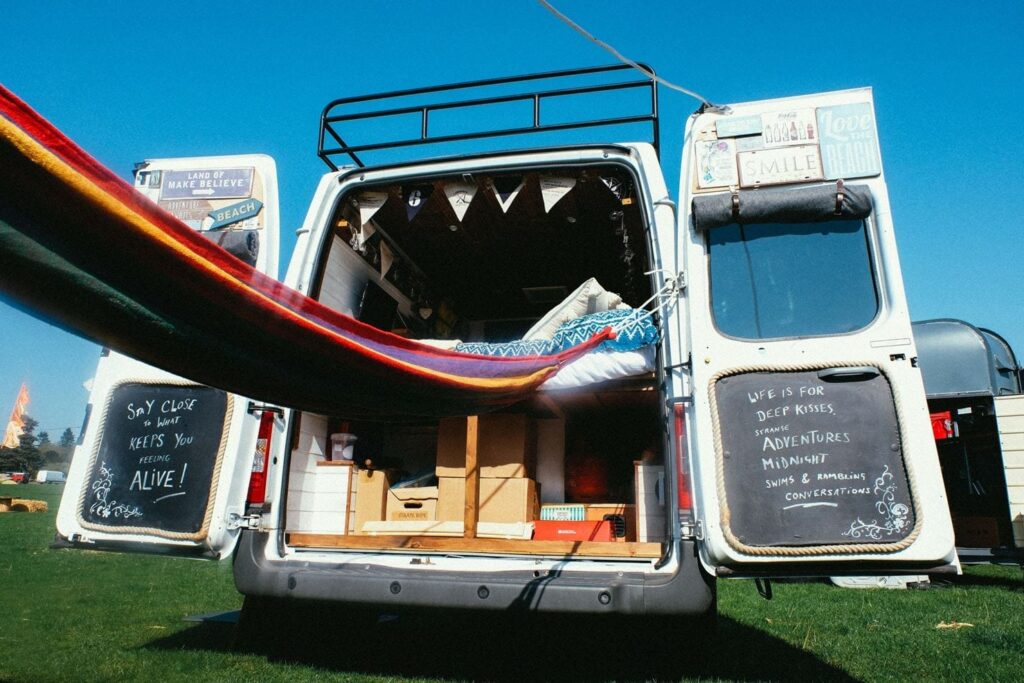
[557, 530]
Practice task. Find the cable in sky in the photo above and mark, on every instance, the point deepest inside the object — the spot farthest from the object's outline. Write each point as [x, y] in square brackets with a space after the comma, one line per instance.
[624, 59]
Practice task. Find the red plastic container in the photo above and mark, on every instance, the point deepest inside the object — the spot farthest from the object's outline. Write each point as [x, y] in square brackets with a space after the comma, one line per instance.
[557, 530]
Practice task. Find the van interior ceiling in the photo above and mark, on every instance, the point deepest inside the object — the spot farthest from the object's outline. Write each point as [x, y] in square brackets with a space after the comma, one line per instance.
[588, 459]
[501, 270]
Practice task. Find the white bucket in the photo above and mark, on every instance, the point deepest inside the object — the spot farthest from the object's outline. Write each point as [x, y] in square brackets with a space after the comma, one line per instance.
[342, 446]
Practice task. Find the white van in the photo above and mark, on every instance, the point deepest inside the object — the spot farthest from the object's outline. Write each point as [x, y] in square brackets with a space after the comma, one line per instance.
[50, 477]
[775, 423]
[156, 459]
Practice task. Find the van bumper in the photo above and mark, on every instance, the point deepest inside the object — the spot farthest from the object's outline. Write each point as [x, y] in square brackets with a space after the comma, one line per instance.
[687, 592]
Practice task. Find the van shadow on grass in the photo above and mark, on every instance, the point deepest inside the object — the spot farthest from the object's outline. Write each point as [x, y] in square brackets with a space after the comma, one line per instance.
[508, 648]
[1014, 585]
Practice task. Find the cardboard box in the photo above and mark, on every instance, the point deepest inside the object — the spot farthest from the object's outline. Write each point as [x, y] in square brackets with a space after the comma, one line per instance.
[371, 496]
[411, 504]
[626, 514]
[556, 530]
[501, 500]
[506, 447]
[563, 512]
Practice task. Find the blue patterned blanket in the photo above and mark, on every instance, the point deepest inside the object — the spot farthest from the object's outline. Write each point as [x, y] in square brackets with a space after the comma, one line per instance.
[634, 328]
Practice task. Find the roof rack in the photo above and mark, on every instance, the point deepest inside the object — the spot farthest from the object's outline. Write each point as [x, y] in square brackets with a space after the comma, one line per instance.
[339, 111]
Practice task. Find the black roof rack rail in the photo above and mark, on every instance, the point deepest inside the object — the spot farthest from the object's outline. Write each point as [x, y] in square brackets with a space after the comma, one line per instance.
[339, 111]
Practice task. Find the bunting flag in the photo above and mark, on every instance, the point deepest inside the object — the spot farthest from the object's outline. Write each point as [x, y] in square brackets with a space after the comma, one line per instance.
[506, 189]
[416, 197]
[16, 425]
[613, 184]
[369, 204]
[620, 189]
[460, 196]
[81, 249]
[554, 187]
[387, 258]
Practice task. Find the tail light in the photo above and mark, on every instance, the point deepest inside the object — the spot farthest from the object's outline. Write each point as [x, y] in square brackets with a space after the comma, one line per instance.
[683, 468]
[258, 479]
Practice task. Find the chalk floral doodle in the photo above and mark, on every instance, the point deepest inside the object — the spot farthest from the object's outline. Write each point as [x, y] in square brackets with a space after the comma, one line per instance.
[895, 517]
[101, 507]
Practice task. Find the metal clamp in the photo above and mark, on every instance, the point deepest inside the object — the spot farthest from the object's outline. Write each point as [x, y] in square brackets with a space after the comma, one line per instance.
[840, 196]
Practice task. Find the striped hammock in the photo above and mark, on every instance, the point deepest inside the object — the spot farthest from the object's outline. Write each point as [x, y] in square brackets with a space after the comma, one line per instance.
[81, 249]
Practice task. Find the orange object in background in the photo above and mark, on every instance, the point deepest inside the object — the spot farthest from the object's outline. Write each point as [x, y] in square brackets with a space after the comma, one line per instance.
[586, 479]
[556, 530]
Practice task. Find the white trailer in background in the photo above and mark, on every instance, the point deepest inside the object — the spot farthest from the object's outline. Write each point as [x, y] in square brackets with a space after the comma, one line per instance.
[973, 383]
[50, 477]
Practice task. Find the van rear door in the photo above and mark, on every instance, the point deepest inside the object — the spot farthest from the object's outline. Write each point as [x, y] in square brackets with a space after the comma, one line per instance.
[163, 463]
[810, 443]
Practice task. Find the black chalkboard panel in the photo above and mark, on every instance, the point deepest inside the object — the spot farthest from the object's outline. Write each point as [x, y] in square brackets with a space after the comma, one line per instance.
[160, 450]
[812, 460]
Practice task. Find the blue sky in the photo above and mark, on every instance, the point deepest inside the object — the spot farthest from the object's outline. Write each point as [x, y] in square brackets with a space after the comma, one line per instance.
[130, 81]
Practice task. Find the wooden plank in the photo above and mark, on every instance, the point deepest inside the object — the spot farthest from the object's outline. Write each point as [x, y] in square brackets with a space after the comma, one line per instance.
[1013, 459]
[1015, 477]
[479, 545]
[1011, 442]
[1009, 405]
[1016, 496]
[471, 512]
[1010, 424]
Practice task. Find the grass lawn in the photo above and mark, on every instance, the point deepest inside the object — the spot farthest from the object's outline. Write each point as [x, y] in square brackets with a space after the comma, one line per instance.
[82, 615]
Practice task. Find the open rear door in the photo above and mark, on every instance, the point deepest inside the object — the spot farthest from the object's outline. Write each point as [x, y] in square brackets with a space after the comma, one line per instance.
[163, 463]
[812, 450]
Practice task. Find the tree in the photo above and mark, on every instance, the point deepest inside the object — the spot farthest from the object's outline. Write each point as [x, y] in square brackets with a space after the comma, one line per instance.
[67, 438]
[26, 457]
[44, 438]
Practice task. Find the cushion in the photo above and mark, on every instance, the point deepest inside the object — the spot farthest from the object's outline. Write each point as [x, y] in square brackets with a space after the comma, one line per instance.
[513, 349]
[634, 328]
[601, 367]
[590, 297]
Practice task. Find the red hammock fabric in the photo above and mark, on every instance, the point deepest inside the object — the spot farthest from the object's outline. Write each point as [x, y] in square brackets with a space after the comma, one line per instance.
[80, 248]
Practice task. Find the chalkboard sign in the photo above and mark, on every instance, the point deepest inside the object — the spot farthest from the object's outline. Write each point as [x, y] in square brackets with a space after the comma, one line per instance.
[158, 460]
[811, 460]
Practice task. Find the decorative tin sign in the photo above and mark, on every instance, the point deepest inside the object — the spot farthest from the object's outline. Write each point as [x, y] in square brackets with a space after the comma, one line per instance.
[716, 163]
[234, 213]
[736, 126]
[749, 143]
[207, 183]
[849, 141]
[785, 128]
[781, 165]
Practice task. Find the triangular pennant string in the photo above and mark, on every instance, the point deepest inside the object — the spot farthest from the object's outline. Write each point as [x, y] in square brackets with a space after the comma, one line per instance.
[614, 185]
[415, 198]
[369, 204]
[553, 188]
[460, 195]
[506, 189]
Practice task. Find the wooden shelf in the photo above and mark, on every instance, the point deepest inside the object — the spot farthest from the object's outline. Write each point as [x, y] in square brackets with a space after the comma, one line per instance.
[482, 545]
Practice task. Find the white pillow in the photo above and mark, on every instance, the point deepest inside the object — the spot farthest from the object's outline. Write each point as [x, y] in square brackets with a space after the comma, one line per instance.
[590, 297]
[591, 368]
[447, 344]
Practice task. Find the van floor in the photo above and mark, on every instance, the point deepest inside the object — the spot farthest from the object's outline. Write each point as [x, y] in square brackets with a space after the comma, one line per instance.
[482, 545]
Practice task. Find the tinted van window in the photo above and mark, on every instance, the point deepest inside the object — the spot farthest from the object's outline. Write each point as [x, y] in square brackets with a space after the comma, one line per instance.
[791, 280]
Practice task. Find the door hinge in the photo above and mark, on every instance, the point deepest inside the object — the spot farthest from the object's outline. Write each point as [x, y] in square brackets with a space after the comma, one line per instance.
[237, 521]
[692, 529]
